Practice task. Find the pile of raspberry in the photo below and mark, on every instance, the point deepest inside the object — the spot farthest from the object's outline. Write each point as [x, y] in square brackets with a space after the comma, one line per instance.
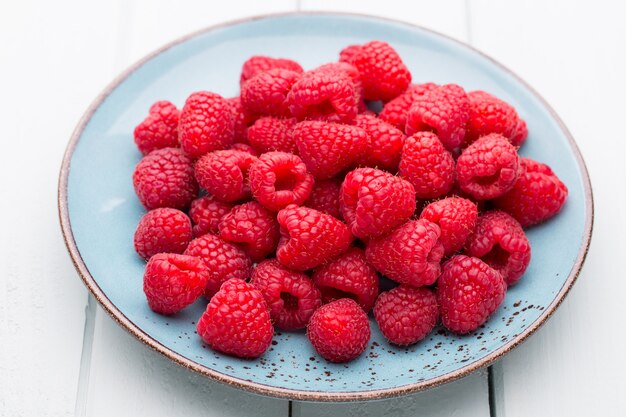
[285, 206]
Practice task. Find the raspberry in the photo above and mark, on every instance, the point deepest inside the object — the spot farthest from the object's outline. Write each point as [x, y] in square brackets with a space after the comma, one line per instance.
[427, 165]
[236, 321]
[265, 94]
[259, 63]
[349, 52]
[165, 178]
[348, 276]
[468, 292]
[456, 217]
[252, 228]
[223, 261]
[206, 124]
[273, 134]
[224, 174]
[241, 120]
[328, 148]
[488, 168]
[444, 111]
[373, 202]
[410, 254]
[159, 130]
[383, 73]
[290, 296]
[339, 331]
[244, 147]
[385, 143]
[325, 197]
[350, 71]
[309, 238]
[537, 195]
[206, 213]
[278, 179]
[488, 114]
[395, 111]
[172, 282]
[162, 230]
[521, 132]
[406, 315]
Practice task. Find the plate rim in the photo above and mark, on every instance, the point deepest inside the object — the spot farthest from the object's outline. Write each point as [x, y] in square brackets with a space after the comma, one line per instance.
[298, 394]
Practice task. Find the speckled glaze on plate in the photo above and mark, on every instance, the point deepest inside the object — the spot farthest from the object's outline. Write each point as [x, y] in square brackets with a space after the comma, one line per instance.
[99, 211]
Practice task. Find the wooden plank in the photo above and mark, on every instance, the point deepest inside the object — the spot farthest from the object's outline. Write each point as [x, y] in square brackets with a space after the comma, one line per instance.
[573, 54]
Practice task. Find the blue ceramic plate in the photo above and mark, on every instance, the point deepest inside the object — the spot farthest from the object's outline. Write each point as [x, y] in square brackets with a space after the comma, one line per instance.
[99, 210]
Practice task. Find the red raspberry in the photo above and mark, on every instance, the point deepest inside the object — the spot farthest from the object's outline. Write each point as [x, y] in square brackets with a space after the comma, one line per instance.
[252, 228]
[537, 195]
[395, 111]
[488, 168]
[165, 178]
[259, 63]
[349, 52]
[206, 124]
[273, 134]
[348, 276]
[265, 94]
[468, 292]
[325, 197]
[383, 73]
[521, 133]
[373, 202]
[309, 238]
[222, 259]
[278, 179]
[406, 315]
[236, 321]
[162, 230]
[241, 120]
[225, 174]
[290, 296]
[328, 148]
[427, 165]
[489, 114]
[172, 282]
[339, 331]
[324, 95]
[350, 71]
[159, 130]
[206, 213]
[444, 111]
[410, 254]
[244, 147]
[456, 217]
[385, 143]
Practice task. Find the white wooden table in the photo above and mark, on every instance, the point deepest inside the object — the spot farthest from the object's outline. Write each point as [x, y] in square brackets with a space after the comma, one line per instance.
[60, 355]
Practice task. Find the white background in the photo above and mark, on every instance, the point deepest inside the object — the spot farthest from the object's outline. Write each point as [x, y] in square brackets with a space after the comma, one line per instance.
[61, 356]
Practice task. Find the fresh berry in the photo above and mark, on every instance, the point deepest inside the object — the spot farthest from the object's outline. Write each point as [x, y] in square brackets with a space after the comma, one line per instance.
[395, 111]
[206, 124]
[244, 147]
[427, 165]
[349, 52]
[347, 69]
[171, 282]
[206, 213]
[537, 195]
[224, 174]
[165, 178]
[265, 94]
[348, 276]
[251, 227]
[339, 331]
[329, 148]
[236, 321]
[325, 197]
[309, 238]
[222, 259]
[291, 297]
[383, 73]
[162, 230]
[373, 201]
[444, 111]
[159, 130]
[521, 133]
[468, 292]
[385, 144]
[259, 63]
[241, 120]
[406, 315]
[269, 134]
[456, 217]
[488, 114]
[488, 168]
[278, 179]
[410, 254]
